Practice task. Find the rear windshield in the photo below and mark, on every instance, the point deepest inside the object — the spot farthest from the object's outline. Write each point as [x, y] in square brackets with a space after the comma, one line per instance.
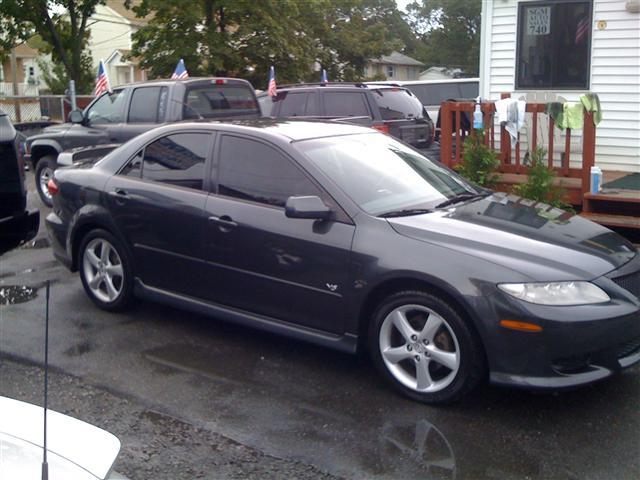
[220, 100]
[436, 93]
[397, 103]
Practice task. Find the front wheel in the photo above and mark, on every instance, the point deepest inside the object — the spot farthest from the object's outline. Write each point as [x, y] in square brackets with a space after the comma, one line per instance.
[105, 271]
[423, 347]
[44, 172]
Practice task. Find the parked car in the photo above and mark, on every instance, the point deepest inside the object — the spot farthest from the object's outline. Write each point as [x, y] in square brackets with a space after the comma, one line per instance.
[433, 92]
[76, 450]
[391, 110]
[130, 110]
[345, 237]
[17, 224]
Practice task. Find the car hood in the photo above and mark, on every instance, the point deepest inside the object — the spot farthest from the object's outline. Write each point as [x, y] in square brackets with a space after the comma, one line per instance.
[61, 128]
[76, 450]
[536, 240]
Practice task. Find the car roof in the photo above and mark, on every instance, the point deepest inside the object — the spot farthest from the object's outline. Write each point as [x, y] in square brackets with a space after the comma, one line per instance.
[188, 81]
[334, 86]
[284, 129]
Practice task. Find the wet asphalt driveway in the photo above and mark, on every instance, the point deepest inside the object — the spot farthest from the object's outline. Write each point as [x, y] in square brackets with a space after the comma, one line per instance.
[324, 411]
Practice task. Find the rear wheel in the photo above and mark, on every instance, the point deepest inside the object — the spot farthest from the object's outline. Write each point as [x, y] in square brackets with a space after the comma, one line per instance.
[44, 172]
[424, 348]
[105, 270]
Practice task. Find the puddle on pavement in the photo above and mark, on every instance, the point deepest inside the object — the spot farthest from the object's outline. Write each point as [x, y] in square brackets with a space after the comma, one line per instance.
[12, 294]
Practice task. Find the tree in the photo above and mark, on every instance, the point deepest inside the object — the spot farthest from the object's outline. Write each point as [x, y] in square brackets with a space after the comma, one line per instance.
[62, 25]
[449, 31]
[244, 38]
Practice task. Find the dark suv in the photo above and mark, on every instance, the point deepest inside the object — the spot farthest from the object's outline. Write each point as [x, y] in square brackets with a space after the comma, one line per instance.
[126, 112]
[392, 110]
[17, 225]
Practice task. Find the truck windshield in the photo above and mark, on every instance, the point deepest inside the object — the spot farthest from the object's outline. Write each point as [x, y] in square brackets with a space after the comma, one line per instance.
[219, 100]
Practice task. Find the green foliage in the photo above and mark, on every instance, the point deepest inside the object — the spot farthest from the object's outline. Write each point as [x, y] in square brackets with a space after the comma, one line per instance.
[448, 32]
[539, 186]
[479, 162]
[62, 26]
[56, 78]
[244, 38]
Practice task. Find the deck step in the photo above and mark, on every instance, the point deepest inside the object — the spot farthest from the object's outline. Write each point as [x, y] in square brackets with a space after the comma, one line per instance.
[611, 220]
[625, 196]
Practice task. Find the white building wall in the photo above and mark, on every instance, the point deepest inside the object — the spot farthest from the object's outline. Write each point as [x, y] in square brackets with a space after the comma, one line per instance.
[615, 74]
[109, 32]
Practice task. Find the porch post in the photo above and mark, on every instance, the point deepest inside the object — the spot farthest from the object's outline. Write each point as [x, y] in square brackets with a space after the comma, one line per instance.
[588, 151]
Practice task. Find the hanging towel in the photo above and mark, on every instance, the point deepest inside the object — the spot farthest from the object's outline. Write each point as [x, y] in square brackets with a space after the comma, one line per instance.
[573, 115]
[511, 113]
[556, 111]
[591, 103]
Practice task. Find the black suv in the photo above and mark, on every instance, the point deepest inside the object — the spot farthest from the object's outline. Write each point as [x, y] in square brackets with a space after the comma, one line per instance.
[126, 112]
[392, 110]
[17, 225]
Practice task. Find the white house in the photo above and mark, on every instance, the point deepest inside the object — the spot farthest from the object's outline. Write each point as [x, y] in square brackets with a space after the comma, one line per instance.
[111, 29]
[564, 48]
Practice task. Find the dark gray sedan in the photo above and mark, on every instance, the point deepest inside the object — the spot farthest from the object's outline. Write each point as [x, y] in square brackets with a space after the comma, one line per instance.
[345, 237]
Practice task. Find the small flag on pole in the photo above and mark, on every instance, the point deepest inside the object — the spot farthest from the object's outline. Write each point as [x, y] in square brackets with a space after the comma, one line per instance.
[102, 81]
[180, 73]
[271, 89]
[324, 79]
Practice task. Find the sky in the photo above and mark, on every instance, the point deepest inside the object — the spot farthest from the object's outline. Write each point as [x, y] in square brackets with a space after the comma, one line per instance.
[402, 4]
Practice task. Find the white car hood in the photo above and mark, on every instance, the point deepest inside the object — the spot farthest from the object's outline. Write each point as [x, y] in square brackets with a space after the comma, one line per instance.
[76, 449]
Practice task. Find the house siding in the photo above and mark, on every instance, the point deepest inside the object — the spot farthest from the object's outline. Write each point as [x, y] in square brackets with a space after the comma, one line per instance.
[614, 76]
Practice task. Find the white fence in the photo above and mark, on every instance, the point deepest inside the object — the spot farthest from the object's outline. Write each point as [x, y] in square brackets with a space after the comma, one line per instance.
[24, 89]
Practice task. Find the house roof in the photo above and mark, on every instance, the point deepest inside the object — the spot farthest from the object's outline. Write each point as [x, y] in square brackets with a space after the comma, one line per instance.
[397, 58]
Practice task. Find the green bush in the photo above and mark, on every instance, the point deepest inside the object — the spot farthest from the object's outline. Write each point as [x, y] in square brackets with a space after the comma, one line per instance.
[539, 185]
[479, 162]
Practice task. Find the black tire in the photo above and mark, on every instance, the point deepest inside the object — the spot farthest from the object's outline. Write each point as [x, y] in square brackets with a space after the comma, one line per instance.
[124, 285]
[44, 169]
[471, 366]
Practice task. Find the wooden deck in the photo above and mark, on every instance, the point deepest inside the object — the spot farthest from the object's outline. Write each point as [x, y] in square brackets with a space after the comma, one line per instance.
[610, 207]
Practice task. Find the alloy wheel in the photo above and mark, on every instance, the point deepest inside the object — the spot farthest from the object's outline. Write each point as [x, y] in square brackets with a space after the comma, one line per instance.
[419, 348]
[45, 175]
[103, 270]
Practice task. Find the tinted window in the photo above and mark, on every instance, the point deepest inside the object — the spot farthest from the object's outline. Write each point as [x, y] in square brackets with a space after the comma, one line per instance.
[435, 94]
[148, 105]
[177, 159]
[396, 103]
[291, 103]
[553, 44]
[345, 104]
[469, 90]
[107, 109]
[219, 100]
[251, 170]
[266, 105]
[134, 167]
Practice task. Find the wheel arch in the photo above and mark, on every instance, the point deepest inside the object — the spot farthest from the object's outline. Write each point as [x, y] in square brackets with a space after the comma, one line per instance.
[42, 148]
[390, 286]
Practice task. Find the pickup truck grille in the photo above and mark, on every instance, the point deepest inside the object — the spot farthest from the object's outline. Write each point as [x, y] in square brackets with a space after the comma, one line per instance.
[630, 283]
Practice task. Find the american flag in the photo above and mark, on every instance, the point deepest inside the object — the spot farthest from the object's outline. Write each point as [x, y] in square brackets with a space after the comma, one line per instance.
[271, 90]
[180, 73]
[582, 29]
[324, 79]
[102, 81]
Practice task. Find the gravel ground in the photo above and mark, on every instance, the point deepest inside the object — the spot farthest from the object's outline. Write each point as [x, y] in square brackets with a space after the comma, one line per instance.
[154, 445]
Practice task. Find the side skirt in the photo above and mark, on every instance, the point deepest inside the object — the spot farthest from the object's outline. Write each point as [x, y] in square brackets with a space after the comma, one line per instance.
[345, 343]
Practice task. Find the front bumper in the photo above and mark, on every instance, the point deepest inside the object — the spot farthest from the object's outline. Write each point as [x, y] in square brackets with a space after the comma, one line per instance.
[577, 345]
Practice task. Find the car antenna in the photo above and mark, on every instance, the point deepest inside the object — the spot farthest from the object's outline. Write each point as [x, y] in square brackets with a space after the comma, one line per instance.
[45, 465]
[200, 117]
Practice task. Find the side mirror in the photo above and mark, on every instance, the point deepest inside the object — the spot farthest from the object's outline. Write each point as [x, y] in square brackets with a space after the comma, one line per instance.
[76, 116]
[307, 207]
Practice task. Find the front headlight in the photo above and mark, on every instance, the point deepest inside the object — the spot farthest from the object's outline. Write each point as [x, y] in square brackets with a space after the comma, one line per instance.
[556, 293]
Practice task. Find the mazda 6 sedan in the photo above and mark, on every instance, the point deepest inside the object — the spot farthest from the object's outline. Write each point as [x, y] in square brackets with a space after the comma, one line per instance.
[344, 237]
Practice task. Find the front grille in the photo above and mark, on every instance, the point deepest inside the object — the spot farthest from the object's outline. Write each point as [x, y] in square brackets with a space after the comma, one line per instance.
[629, 348]
[630, 283]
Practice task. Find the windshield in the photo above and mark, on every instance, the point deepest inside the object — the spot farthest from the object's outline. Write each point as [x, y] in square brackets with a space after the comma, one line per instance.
[397, 103]
[219, 100]
[382, 175]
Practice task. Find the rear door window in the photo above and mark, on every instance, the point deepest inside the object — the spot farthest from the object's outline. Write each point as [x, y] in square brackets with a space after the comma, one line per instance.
[220, 100]
[397, 103]
[148, 105]
[177, 159]
[292, 104]
[345, 104]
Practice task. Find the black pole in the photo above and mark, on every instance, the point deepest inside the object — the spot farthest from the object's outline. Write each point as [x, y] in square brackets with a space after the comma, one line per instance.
[45, 465]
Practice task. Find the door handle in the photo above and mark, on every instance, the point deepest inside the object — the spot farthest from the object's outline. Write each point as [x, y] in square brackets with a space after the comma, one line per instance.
[225, 223]
[119, 193]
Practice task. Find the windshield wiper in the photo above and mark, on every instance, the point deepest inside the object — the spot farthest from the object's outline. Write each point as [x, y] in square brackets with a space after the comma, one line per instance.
[460, 198]
[405, 212]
